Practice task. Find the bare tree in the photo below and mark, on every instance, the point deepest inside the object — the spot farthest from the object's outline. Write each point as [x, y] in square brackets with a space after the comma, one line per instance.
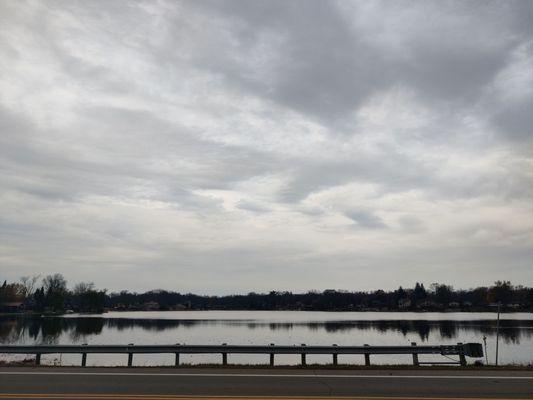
[55, 288]
[55, 284]
[28, 284]
[83, 287]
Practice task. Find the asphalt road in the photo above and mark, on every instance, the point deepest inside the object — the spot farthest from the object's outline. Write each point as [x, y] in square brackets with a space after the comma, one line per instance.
[161, 384]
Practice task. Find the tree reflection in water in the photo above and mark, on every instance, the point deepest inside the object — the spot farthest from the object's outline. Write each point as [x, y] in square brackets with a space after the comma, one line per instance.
[48, 330]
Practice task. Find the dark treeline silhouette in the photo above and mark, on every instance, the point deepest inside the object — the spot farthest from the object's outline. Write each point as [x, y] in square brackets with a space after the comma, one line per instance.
[439, 297]
[53, 296]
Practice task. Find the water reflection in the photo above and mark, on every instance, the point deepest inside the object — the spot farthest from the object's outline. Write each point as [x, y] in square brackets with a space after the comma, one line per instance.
[48, 330]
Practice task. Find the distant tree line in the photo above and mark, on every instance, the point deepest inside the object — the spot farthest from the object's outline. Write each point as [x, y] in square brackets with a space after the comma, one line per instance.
[52, 295]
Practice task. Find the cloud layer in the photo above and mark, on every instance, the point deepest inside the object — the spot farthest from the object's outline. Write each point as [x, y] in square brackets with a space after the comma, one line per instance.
[227, 146]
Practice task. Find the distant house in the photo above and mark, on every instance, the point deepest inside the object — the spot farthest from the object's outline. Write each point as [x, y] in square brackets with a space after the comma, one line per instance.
[151, 306]
[13, 306]
[427, 304]
[454, 304]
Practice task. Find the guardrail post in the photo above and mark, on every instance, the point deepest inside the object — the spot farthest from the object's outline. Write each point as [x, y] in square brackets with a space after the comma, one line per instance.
[462, 358]
[335, 357]
[84, 357]
[130, 357]
[367, 357]
[415, 356]
[38, 359]
[177, 359]
[272, 357]
[224, 356]
[303, 356]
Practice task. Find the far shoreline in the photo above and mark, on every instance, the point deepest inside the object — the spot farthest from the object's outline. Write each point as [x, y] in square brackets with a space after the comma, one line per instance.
[421, 312]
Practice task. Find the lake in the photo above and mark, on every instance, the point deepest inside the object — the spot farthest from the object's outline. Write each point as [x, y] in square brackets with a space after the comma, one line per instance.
[265, 327]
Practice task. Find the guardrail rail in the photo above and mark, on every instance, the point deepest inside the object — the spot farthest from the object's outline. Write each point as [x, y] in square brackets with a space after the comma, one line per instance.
[474, 350]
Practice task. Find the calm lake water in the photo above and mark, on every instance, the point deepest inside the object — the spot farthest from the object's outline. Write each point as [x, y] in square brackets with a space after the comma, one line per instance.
[265, 327]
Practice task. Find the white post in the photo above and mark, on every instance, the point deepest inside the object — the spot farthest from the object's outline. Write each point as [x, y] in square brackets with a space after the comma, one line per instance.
[498, 331]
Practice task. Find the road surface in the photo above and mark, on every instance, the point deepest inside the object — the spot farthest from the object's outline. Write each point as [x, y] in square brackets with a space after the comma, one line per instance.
[164, 384]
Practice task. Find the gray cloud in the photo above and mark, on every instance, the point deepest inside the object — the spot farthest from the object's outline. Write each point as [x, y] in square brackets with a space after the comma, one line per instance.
[365, 219]
[411, 224]
[516, 120]
[252, 206]
[178, 143]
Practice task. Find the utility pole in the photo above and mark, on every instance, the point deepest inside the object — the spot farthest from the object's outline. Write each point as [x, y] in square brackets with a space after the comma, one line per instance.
[498, 331]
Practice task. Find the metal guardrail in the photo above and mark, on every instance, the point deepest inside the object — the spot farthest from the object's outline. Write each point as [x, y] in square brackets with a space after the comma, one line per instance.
[461, 350]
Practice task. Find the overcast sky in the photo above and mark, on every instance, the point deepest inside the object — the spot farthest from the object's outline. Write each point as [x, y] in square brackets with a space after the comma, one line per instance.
[231, 146]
